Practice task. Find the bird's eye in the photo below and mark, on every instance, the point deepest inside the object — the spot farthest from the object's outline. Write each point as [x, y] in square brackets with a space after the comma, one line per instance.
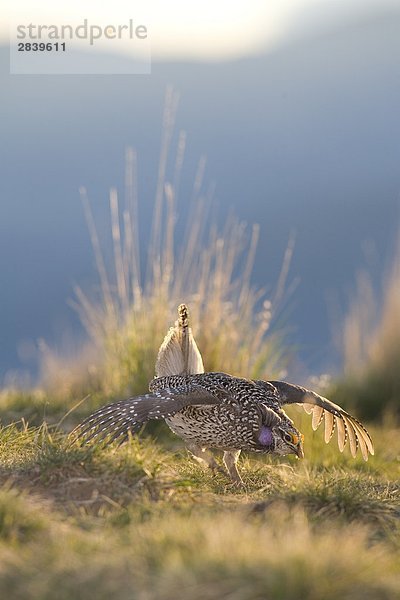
[288, 438]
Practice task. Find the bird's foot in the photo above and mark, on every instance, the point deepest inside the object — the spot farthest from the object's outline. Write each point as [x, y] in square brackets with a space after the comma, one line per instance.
[216, 468]
[205, 458]
[237, 485]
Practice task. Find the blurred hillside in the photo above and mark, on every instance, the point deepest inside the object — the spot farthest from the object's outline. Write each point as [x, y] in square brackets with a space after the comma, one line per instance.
[304, 139]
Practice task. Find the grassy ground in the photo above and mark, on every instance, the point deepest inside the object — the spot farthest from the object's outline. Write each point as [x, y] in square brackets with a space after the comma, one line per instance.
[143, 521]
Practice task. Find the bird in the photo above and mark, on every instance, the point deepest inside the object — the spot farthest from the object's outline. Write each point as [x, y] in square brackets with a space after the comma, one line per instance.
[217, 411]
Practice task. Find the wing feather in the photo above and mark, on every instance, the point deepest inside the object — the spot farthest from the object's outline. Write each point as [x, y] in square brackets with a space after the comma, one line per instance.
[348, 426]
[116, 420]
[317, 415]
[341, 433]
[353, 440]
[329, 425]
[365, 435]
[361, 442]
[363, 439]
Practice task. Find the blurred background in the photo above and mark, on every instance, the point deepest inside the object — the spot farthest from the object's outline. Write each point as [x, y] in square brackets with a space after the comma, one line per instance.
[295, 106]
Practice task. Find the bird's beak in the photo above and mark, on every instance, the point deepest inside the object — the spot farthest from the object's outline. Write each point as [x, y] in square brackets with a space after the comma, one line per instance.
[299, 450]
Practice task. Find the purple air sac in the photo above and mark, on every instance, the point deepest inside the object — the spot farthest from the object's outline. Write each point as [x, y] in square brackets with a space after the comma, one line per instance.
[265, 436]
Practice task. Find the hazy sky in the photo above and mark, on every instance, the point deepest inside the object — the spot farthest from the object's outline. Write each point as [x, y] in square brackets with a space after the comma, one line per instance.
[210, 29]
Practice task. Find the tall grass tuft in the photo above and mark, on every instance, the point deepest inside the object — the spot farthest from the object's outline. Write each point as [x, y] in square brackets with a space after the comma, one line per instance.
[371, 342]
[207, 267]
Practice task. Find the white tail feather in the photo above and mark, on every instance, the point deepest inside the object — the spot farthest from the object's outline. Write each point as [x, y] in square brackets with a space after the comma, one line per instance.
[179, 354]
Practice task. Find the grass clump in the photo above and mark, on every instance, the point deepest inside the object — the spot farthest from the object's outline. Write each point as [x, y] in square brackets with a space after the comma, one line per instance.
[280, 558]
[189, 259]
[372, 350]
[44, 460]
[143, 521]
[21, 517]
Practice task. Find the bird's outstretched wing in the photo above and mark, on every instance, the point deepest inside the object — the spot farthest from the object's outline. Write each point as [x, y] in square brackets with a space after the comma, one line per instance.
[115, 421]
[348, 427]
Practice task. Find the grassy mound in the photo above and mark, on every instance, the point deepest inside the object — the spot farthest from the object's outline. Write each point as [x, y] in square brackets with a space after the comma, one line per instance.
[143, 521]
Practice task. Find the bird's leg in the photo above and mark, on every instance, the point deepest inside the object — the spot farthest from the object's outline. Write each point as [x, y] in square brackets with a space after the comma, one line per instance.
[230, 461]
[204, 457]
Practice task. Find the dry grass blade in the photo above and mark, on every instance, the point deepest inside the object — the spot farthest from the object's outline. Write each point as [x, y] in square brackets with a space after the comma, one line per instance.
[210, 270]
[371, 346]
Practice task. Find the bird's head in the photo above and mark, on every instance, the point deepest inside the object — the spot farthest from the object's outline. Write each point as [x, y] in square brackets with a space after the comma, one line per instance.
[278, 435]
[288, 440]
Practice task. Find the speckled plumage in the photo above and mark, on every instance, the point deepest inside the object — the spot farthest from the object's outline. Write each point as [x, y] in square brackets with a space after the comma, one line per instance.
[234, 422]
[217, 410]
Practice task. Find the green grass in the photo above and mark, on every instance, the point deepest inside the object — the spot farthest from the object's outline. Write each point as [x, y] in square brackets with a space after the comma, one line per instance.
[143, 521]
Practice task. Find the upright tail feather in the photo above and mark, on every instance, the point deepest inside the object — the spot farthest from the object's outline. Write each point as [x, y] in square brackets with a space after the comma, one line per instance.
[179, 354]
